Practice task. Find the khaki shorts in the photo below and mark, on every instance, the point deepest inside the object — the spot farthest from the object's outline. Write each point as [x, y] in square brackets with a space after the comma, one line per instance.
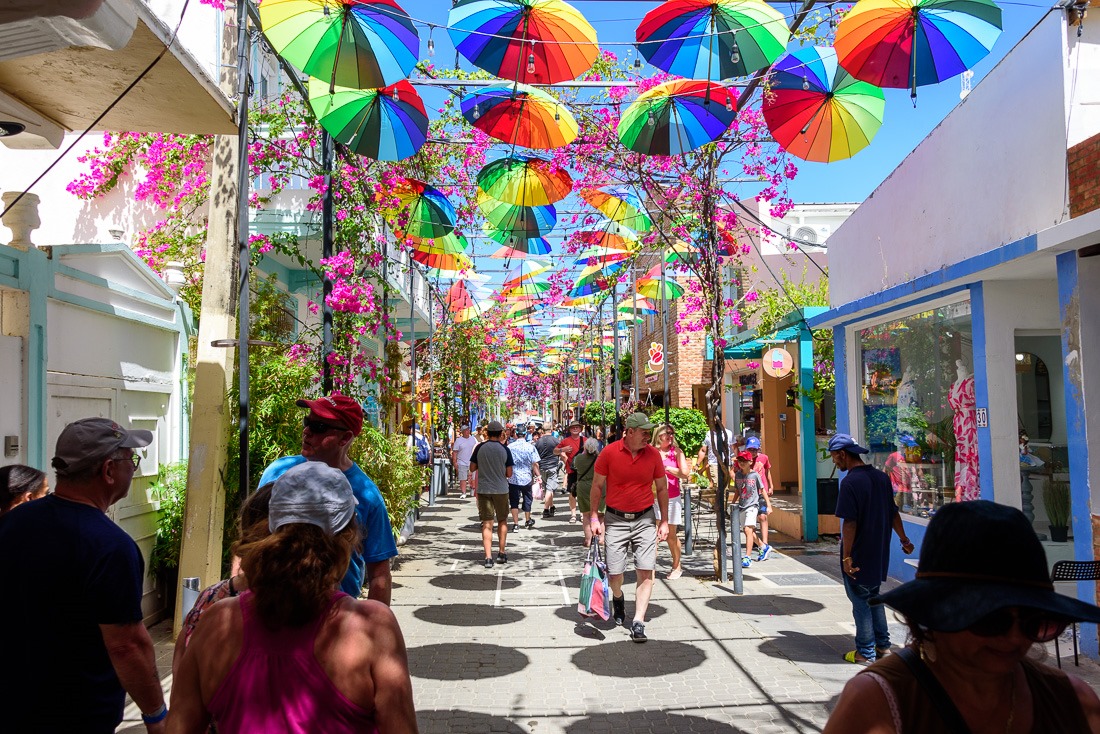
[463, 472]
[489, 505]
[624, 536]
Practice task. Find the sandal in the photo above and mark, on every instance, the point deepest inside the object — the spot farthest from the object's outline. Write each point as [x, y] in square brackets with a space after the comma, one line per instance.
[855, 657]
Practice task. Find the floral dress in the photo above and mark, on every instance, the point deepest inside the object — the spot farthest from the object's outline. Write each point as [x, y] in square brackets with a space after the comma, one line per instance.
[963, 402]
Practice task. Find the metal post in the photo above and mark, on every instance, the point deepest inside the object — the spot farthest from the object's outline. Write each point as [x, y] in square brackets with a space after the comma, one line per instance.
[412, 352]
[664, 333]
[603, 382]
[243, 254]
[635, 372]
[616, 388]
[327, 156]
[735, 533]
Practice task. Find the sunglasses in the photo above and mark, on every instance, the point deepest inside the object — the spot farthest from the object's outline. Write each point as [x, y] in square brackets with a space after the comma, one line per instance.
[134, 459]
[320, 426]
[1036, 625]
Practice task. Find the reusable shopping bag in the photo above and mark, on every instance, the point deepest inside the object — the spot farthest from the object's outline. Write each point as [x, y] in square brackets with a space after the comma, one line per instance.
[595, 598]
[536, 490]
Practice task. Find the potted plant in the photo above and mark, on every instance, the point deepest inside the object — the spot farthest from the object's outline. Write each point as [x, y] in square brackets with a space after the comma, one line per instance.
[1056, 501]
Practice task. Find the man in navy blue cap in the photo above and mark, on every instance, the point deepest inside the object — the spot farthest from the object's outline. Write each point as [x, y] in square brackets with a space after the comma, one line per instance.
[866, 507]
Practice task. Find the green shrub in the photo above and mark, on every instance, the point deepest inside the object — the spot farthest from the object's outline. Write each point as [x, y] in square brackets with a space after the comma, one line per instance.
[689, 424]
[388, 461]
[599, 413]
[1056, 501]
[169, 490]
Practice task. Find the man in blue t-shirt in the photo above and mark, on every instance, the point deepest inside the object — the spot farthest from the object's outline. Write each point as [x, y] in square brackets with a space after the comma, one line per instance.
[332, 424]
[866, 507]
[74, 639]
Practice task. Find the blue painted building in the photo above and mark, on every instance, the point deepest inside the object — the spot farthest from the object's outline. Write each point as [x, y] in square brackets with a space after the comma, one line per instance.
[965, 295]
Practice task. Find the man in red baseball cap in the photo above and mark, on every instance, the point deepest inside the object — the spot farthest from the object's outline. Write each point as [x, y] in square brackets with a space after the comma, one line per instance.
[328, 431]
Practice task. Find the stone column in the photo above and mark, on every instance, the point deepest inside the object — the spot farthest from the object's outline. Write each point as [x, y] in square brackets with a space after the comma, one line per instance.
[22, 218]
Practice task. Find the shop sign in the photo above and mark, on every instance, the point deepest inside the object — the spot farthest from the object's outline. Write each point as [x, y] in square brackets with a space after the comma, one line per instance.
[652, 378]
[567, 415]
[778, 362]
[656, 361]
[982, 417]
[746, 380]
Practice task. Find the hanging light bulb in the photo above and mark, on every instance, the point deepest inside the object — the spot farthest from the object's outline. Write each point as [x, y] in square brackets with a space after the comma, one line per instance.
[531, 64]
[557, 114]
[396, 94]
[735, 54]
[652, 119]
[805, 83]
[477, 111]
[431, 47]
[637, 63]
[729, 103]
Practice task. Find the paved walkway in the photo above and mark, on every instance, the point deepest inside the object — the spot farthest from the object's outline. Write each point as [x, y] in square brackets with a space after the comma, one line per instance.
[504, 650]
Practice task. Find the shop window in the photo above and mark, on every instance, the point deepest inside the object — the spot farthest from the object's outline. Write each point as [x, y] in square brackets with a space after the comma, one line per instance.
[918, 416]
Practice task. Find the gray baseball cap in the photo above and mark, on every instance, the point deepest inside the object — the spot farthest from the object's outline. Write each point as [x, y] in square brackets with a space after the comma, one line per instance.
[313, 493]
[494, 427]
[84, 442]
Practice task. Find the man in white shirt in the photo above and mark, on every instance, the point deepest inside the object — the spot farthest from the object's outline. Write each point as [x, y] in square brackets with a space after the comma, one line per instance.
[461, 450]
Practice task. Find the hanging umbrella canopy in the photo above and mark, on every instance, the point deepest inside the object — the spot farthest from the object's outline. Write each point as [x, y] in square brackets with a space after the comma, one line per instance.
[594, 279]
[529, 221]
[524, 181]
[387, 124]
[526, 41]
[527, 290]
[520, 115]
[612, 236]
[419, 209]
[621, 205]
[358, 44]
[581, 303]
[682, 254]
[676, 117]
[817, 110]
[526, 270]
[461, 303]
[645, 307]
[712, 39]
[600, 256]
[441, 261]
[913, 43]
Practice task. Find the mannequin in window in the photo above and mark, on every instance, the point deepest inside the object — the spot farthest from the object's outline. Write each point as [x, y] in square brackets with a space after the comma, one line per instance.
[908, 408]
[963, 402]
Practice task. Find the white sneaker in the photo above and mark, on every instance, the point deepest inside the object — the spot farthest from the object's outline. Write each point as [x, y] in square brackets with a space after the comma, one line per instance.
[463, 495]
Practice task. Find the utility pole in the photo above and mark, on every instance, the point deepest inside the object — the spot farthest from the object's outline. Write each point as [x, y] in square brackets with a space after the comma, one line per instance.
[204, 507]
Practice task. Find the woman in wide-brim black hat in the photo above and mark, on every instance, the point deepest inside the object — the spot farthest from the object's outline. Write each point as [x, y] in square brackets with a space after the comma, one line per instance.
[981, 600]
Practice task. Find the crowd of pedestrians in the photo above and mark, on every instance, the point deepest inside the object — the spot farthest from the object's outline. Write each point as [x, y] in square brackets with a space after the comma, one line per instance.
[286, 644]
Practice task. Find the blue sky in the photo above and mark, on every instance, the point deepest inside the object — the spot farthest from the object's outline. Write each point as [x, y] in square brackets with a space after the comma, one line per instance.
[849, 181]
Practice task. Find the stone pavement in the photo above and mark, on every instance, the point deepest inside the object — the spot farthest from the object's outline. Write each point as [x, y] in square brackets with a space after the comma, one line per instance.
[504, 650]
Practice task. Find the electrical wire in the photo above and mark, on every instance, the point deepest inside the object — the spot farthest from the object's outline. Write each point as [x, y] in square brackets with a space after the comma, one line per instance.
[171, 41]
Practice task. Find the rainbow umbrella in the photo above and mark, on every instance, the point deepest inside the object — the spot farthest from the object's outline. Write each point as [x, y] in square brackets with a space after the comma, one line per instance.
[651, 288]
[518, 246]
[682, 254]
[527, 41]
[520, 115]
[621, 205]
[712, 39]
[594, 279]
[531, 221]
[676, 117]
[524, 181]
[448, 244]
[461, 303]
[602, 256]
[387, 124]
[526, 270]
[358, 44]
[912, 43]
[442, 261]
[611, 237]
[421, 210]
[645, 307]
[817, 110]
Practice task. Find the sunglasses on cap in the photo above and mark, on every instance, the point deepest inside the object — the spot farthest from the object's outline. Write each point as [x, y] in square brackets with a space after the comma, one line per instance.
[316, 426]
[1035, 624]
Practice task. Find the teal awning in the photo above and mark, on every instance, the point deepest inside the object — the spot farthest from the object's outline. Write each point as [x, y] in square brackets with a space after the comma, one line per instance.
[753, 346]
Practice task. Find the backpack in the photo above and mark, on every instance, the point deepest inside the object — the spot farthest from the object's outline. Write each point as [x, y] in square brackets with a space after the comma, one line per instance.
[423, 450]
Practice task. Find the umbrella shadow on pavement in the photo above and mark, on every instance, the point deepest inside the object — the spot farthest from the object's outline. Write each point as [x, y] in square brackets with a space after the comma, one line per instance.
[570, 613]
[631, 660]
[650, 721]
[802, 648]
[465, 661]
[456, 720]
[468, 615]
[765, 604]
[473, 582]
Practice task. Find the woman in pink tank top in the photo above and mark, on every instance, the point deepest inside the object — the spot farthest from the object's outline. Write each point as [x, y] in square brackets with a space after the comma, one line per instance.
[676, 469]
[294, 654]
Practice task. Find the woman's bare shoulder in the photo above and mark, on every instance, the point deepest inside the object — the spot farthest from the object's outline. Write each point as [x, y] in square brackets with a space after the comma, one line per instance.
[861, 709]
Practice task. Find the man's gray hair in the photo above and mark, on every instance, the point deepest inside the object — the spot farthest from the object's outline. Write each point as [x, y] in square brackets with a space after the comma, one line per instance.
[592, 446]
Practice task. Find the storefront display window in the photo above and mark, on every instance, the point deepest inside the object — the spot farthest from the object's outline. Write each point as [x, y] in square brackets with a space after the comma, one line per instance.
[919, 407]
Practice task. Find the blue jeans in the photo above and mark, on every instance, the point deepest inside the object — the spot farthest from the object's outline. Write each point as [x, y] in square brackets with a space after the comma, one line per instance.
[871, 628]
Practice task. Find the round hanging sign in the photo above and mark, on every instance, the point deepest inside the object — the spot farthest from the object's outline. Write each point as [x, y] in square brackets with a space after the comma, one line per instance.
[778, 362]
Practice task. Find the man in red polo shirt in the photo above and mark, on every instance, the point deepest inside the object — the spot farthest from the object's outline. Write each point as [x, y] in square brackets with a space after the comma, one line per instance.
[629, 469]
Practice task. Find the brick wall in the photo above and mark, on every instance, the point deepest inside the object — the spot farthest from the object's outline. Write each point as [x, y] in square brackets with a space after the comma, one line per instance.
[687, 368]
[1083, 160]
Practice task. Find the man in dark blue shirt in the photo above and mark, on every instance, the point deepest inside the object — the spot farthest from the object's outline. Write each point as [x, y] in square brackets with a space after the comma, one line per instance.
[72, 606]
[866, 507]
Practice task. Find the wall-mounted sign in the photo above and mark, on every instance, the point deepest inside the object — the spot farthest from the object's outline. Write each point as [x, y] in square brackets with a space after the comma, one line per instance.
[749, 379]
[981, 416]
[656, 361]
[651, 378]
[778, 362]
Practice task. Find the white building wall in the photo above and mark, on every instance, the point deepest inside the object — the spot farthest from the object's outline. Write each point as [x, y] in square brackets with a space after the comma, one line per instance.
[992, 172]
[1011, 305]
